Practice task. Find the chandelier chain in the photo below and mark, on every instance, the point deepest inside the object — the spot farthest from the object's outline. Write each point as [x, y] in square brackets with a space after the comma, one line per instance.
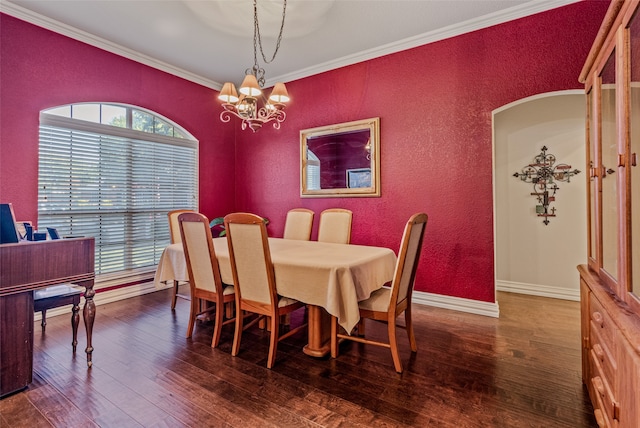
[257, 38]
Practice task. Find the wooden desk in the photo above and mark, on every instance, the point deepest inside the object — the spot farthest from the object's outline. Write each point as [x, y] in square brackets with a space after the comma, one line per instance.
[27, 266]
[330, 278]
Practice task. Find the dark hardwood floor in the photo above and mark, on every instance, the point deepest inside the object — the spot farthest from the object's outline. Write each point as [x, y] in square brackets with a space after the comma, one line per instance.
[521, 370]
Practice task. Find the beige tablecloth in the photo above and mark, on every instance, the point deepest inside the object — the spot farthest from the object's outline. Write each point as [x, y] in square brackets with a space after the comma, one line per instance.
[333, 276]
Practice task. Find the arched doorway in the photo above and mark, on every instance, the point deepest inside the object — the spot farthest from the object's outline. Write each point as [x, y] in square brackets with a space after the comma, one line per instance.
[531, 257]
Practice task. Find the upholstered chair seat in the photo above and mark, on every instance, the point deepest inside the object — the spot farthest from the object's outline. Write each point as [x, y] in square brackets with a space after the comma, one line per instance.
[378, 301]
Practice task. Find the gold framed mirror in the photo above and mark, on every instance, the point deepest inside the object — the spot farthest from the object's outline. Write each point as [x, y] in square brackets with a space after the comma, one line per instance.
[341, 160]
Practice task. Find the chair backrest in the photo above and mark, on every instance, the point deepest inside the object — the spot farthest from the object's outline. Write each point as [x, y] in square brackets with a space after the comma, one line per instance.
[298, 224]
[174, 227]
[335, 226]
[202, 264]
[405, 273]
[253, 274]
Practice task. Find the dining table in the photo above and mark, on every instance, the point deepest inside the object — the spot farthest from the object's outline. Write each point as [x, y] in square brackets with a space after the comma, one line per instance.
[330, 278]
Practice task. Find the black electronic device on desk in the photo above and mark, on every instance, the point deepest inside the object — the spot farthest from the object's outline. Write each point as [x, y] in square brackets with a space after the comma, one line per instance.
[53, 233]
[8, 231]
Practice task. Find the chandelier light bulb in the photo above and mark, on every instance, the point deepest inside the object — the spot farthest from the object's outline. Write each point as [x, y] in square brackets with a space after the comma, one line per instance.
[228, 93]
[250, 86]
[279, 94]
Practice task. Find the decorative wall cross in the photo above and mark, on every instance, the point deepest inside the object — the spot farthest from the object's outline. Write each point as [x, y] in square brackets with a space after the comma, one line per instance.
[543, 175]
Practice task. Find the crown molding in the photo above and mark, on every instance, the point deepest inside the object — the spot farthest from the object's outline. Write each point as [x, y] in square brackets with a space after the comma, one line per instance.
[485, 21]
[510, 14]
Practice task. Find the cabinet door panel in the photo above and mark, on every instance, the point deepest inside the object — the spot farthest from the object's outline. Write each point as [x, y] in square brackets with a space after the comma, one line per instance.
[634, 152]
[609, 156]
[591, 162]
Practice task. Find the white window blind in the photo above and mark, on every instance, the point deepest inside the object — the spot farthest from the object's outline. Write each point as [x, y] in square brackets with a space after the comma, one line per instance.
[114, 184]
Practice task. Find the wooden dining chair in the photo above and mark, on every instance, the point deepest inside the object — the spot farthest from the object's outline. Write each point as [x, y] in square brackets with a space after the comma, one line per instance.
[387, 303]
[298, 224]
[335, 226]
[204, 273]
[174, 235]
[254, 280]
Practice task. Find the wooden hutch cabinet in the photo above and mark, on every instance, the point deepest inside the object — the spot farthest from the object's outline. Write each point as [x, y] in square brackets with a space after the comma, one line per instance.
[610, 281]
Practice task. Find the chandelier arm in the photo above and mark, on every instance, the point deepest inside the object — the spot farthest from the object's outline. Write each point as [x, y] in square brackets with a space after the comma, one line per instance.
[265, 115]
[225, 115]
[279, 119]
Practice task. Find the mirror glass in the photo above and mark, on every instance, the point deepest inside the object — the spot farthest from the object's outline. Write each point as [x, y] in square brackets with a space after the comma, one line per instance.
[341, 160]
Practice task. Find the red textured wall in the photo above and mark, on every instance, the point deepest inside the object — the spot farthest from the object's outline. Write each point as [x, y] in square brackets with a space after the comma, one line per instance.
[435, 105]
[434, 102]
[41, 69]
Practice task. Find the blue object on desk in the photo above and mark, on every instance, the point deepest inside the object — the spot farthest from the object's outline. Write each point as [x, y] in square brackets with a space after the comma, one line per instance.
[53, 233]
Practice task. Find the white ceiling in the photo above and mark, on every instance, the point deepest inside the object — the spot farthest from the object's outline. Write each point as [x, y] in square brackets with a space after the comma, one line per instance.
[211, 42]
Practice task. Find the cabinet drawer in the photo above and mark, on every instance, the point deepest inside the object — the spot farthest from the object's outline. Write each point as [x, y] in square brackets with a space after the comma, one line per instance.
[601, 418]
[604, 398]
[601, 322]
[604, 352]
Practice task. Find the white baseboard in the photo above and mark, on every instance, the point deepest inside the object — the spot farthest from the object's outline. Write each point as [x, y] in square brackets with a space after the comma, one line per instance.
[539, 290]
[457, 304]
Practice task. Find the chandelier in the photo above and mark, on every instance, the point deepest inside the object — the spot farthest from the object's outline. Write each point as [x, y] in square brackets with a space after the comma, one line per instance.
[252, 107]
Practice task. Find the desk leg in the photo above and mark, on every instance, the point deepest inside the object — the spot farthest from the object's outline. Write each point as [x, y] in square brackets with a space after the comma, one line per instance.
[16, 342]
[89, 314]
[319, 332]
[75, 320]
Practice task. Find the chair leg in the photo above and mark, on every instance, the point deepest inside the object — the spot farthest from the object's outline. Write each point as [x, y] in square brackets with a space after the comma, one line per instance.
[229, 307]
[43, 321]
[174, 296]
[195, 304]
[217, 326]
[75, 320]
[334, 337]
[273, 342]
[409, 324]
[286, 319]
[393, 342]
[238, 333]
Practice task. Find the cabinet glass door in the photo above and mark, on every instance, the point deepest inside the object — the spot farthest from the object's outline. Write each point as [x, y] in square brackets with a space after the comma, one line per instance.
[634, 149]
[591, 141]
[609, 164]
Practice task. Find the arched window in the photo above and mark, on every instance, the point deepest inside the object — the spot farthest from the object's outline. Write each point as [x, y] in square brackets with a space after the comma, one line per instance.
[113, 171]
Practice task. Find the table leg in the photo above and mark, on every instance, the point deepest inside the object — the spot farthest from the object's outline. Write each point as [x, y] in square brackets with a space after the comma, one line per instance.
[89, 315]
[319, 332]
[75, 320]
